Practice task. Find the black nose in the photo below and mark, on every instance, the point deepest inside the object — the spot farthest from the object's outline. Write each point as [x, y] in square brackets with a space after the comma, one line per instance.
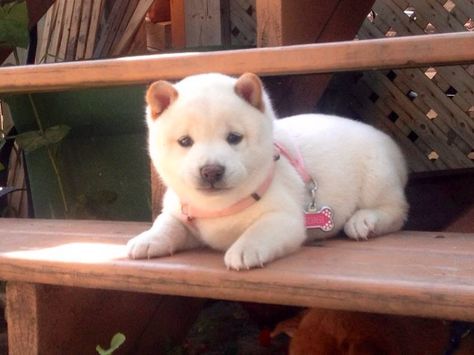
[212, 173]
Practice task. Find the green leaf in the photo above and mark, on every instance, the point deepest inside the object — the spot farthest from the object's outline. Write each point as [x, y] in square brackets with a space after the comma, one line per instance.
[117, 340]
[101, 350]
[14, 25]
[33, 140]
[56, 134]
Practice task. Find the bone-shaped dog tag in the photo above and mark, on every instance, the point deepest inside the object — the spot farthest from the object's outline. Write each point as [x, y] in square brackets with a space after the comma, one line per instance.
[322, 219]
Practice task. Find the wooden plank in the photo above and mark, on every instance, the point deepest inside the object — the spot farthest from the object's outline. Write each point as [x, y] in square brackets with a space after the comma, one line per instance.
[119, 33]
[315, 58]
[203, 23]
[97, 7]
[269, 20]
[138, 44]
[56, 33]
[75, 27]
[108, 31]
[158, 36]
[125, 36]
[45, 39]
[426, 274]
[85, 23]
[65, 31]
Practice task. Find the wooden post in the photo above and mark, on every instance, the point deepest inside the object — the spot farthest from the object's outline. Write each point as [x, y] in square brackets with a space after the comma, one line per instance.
[286, 22]
[44, 319]
[178, 30]
[22, 318]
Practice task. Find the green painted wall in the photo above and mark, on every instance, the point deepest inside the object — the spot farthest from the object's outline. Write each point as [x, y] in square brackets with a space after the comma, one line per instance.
[103, 160]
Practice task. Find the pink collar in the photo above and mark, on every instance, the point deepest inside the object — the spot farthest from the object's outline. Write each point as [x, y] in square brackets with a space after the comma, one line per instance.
[189, 213]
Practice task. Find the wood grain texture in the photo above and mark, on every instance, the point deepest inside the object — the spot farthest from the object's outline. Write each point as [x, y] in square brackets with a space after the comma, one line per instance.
[202, 20]
[299, 59]
[46, 319]
[424, 274]
[22, 306]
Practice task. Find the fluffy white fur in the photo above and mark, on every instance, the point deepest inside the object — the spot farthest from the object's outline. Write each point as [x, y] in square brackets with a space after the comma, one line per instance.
[359, 170]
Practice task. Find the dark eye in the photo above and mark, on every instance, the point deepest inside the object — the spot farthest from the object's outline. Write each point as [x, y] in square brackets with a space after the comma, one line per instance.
[234, 138]
[185, 141]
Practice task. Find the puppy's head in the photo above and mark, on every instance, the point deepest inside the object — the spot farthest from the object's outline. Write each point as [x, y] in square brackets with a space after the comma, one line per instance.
[210, 136]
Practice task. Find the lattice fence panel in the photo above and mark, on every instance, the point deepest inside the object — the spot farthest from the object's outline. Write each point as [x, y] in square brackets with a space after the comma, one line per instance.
[430, 111]
[243, 20]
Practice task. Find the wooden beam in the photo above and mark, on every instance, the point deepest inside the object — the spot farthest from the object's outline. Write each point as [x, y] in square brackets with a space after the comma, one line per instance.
[427, 274]
[401, 52]
[286, 22]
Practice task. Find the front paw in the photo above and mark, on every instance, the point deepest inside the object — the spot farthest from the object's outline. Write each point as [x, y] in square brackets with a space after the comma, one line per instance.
[149, 245]
[244, 256]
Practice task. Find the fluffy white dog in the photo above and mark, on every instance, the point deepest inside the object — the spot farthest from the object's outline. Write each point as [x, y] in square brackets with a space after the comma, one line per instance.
[243, 182]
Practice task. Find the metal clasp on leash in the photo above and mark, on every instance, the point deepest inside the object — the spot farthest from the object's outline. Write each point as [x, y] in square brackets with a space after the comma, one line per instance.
[312, 188]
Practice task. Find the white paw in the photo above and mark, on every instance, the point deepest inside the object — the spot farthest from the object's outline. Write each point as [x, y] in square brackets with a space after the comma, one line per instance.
[149, 245]
[361, 225]
[244, 256]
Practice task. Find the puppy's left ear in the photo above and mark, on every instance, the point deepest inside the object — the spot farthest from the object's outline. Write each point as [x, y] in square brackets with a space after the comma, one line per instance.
[250, 88]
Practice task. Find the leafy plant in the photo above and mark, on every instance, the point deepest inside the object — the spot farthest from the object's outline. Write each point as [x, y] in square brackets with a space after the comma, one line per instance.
[117, 340]
[14, 34]
[14, 25]
[33, 140]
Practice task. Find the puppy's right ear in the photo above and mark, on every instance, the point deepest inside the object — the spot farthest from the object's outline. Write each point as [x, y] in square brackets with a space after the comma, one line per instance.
[159, 96]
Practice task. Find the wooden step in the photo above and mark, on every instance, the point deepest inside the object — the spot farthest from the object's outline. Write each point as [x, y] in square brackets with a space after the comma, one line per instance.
[411, 273]
[399, 52]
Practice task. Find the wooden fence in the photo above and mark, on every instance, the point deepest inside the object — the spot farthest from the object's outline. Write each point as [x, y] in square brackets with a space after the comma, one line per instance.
[428, 110]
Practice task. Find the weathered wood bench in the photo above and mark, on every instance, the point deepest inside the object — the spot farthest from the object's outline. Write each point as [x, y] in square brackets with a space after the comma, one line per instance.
[70, 282]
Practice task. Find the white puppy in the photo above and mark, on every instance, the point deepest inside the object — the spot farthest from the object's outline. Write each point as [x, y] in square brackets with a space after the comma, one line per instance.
[212, 140]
